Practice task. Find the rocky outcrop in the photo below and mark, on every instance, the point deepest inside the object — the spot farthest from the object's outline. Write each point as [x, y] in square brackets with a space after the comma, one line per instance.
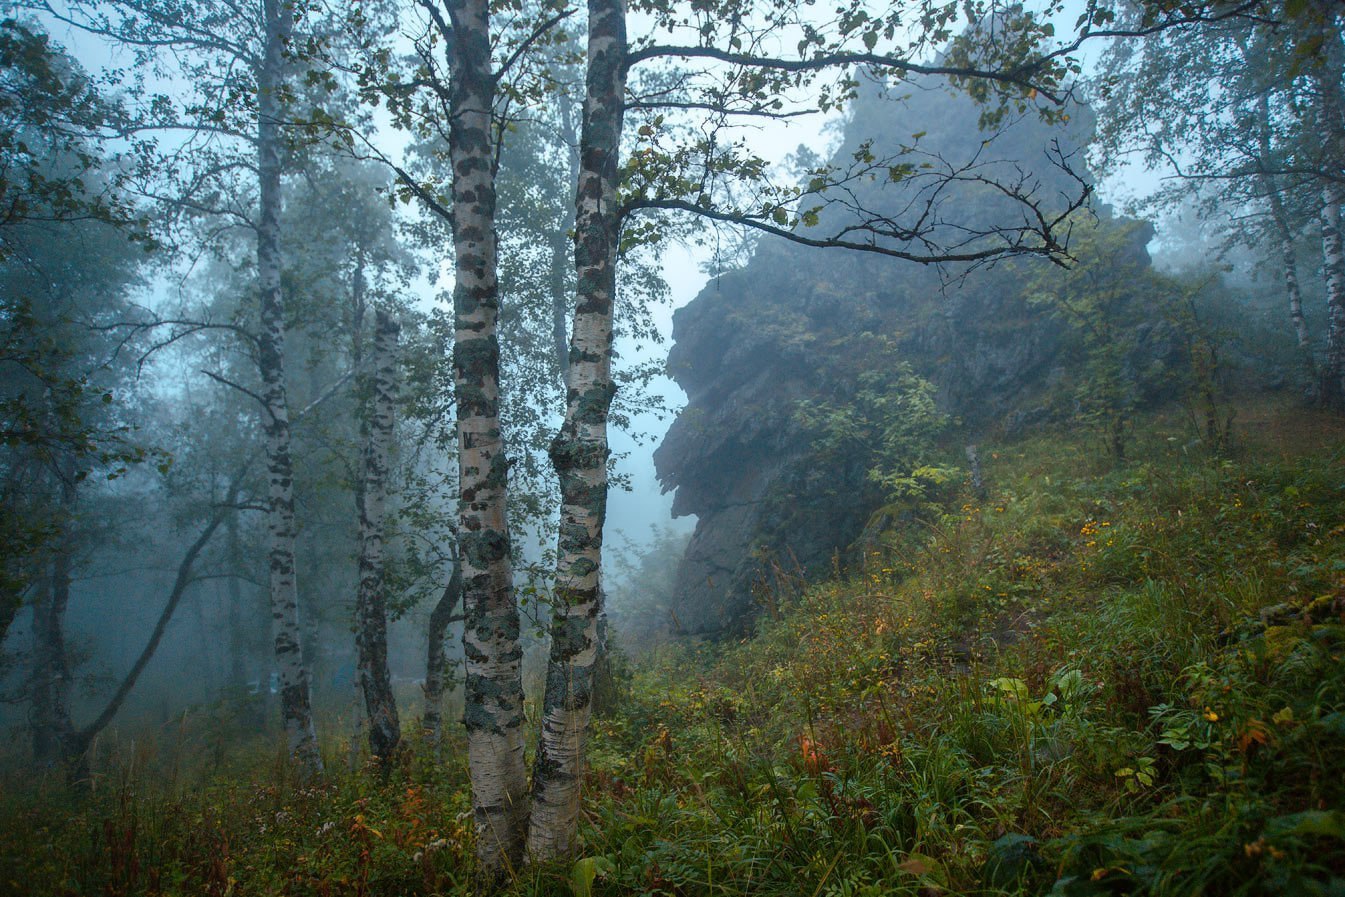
[792, 326]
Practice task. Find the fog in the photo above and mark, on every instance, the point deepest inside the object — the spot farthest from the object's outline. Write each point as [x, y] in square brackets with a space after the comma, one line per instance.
[387, 382]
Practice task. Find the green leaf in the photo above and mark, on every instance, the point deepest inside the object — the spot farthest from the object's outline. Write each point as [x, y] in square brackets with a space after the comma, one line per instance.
[1012, 688]
[584, 872]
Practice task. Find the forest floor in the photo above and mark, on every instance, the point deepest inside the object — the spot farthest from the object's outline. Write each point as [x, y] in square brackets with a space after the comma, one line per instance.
[1095, 678]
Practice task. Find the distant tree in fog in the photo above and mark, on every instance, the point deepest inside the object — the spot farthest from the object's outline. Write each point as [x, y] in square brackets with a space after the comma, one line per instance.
[70, 252]
[240, 67]
[1247, 114]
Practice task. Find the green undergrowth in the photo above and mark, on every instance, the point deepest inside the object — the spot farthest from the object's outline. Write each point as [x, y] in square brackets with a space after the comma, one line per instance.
[1090, 680]
[1086, 681]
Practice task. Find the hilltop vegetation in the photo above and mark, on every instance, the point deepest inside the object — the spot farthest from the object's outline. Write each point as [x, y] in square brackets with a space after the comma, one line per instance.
[1091, 679]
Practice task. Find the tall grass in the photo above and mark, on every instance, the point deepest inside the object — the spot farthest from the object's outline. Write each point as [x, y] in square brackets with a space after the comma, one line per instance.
[1088, 681]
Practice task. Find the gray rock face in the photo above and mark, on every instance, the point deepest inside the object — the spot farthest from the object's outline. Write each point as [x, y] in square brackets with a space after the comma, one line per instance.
[790, 327]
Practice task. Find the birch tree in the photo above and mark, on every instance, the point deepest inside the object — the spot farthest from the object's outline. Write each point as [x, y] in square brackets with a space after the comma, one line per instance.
[737, 77]
[349, 282]
[494, 686]
[728, 73]
[464, 114]
[295, 701]
[1284, 233]
[371, 613]
[1330, 120]
[1240, 113]
[580, 449]
[240, 61]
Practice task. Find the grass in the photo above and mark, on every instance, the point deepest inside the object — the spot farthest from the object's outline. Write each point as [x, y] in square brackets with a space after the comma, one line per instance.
[1086, 681]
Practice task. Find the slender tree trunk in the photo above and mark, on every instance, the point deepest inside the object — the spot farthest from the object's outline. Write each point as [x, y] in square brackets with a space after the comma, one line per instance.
[436, 663]
[371, 615]
[1331, 109]
[1289, 262]
[1285, 238]
[55, 737]
[295, 701]
[234, 595]
[181, 582]
[493, 657]
[53, 732]
[1333, 255]
[580, 451]
[561, 241]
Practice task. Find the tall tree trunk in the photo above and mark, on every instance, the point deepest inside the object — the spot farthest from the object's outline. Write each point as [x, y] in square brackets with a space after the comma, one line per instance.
[561, 241]
[295, 701]
[1333, 256]
[53, 732]
[1331, 109]
[371, 614]
[580, 451]
[436, 663]
[1284, 237]
[238, 642]
[493, 657]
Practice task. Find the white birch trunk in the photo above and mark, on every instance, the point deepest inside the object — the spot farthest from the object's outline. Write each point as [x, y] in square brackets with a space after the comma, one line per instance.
[371, 615]
[561, 242]
[295, 702]
[1333, 257]
[1283, 237]
[1332, 111]
[580, 450]
[1289, 264]
[493, 657]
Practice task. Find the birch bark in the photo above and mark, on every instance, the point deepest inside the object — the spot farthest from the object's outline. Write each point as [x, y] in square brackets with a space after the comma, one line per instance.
[561, 242]
[580, 450]
[371, 614]
[1283, 237]
[493, 714]
[1333, 256]
[1333, 195]
[295, 702]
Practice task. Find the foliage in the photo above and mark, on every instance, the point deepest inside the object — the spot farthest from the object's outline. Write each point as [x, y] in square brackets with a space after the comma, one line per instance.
[1104, 299]
[53, 116]
[889, 427]
[1066, 688]
[70, 252]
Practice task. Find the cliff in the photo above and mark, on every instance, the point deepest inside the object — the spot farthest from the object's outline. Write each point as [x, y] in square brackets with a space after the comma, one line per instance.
[800, 324]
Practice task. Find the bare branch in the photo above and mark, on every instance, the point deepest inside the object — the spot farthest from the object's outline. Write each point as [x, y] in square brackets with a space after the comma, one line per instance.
[243, 389]
[537, 33]
[1017, 78]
